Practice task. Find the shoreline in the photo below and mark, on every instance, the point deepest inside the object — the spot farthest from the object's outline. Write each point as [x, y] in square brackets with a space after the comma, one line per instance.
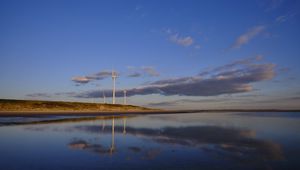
[137, 112]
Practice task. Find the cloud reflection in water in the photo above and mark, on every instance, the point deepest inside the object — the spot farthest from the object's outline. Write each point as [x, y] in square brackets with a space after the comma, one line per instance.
[233, 143]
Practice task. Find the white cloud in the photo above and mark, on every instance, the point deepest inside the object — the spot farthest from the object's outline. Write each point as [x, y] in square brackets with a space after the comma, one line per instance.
[80, 79]
[142, 71]
[150, 71]
[272, 5]
[247, 36]
[183, 41]
[86, 79]
[197, 46]
[284, 18]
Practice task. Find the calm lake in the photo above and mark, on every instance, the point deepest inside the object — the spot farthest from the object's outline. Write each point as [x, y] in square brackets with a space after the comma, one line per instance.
[165, 141]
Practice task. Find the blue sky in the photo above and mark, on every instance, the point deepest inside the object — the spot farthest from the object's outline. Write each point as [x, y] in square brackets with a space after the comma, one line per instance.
[169, 54]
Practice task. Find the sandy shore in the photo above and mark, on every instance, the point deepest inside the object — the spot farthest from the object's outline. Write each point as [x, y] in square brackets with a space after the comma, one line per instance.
[80, 113]
[102, 113]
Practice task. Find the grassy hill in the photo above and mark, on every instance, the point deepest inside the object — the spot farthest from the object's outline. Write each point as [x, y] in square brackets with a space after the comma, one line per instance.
[61, 106]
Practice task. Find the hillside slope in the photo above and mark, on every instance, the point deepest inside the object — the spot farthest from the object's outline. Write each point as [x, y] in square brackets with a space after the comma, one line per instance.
[53, 106]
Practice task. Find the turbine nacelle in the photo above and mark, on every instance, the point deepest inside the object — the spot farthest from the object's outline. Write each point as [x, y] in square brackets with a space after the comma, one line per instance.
[114, 74]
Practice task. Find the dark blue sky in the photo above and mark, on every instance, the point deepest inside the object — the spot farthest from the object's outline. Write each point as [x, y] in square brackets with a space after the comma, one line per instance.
[169, 54]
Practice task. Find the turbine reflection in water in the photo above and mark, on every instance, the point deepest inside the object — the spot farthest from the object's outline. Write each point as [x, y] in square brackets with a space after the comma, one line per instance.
[158, 139]
[124, 125]
[112, 148]
[228, 140]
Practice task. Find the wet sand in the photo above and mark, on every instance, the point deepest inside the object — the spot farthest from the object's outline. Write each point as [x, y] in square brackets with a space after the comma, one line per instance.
[103, 113]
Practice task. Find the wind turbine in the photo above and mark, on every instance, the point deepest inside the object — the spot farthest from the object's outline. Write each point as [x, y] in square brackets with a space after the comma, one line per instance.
[125, 97]
[114, 76]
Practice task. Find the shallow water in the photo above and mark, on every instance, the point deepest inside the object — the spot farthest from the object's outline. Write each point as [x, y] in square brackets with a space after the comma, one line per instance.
[170, 141]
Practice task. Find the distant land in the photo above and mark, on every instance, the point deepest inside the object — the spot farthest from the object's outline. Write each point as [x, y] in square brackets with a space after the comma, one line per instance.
[12, 107]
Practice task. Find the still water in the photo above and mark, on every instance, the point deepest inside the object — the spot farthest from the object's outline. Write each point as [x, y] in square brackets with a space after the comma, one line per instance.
[166, 141]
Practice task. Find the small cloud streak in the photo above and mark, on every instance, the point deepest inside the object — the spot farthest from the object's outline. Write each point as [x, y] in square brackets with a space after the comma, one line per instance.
[247, 36]
[142, 71]
[284, 18]
[164, 104]
[150, 71]
[39, 95]
[135, 74]
[197, 46]
[272, 5]
[86, 79]
[181, 101]
[81, 80]
[182, 41]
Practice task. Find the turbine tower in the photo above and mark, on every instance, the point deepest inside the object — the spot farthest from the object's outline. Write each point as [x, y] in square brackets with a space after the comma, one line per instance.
[114, 76]
[125, 97]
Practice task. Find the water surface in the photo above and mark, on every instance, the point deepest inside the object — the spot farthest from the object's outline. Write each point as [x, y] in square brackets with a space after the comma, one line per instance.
[166, 141]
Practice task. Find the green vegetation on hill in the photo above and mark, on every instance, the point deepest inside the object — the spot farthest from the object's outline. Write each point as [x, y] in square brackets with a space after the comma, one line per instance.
[57, 106]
